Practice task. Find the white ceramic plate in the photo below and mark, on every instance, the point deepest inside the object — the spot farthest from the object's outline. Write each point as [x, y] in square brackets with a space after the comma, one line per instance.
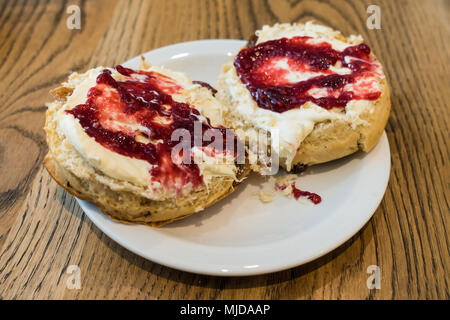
[240, 235]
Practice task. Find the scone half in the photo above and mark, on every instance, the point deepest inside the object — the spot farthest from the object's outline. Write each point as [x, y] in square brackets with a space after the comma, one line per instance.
[324, 95]
[127, 140]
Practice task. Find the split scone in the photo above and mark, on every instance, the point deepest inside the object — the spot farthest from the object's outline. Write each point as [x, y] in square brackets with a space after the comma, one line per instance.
[133, 142]
[320, 95]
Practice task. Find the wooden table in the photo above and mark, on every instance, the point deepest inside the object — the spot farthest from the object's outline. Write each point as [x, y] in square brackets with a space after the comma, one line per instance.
[43, 230]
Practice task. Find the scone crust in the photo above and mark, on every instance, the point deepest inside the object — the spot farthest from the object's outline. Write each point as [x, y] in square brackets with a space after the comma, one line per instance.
[154, 213]
[333, 140]
[80, 179]
[330, 139]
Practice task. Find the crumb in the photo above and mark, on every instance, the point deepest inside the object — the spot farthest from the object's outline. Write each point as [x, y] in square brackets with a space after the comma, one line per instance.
[266, 197]
[144, 64]
[285, 179]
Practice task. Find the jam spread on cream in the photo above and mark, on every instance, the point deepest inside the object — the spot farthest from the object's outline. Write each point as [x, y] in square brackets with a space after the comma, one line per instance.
[142, 102]
[259, 69]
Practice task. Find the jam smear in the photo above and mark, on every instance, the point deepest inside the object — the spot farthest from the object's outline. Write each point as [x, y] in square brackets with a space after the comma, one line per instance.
[136, 118]
[297, 193]
[259, 69]
[313, 197]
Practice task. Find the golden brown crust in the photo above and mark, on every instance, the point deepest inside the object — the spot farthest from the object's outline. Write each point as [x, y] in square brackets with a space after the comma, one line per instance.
[61, 93]
[75, 187]
[334, 140]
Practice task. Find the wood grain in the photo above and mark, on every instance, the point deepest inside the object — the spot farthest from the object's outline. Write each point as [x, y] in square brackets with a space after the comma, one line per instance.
[43, 230]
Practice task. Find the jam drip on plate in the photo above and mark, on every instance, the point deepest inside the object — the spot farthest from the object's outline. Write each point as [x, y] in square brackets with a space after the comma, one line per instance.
[261, 69]
[297, 193]
[136, 118]
[313, 197]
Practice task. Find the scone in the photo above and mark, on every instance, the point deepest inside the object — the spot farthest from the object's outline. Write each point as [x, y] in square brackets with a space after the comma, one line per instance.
[133, 142]
[320, 95]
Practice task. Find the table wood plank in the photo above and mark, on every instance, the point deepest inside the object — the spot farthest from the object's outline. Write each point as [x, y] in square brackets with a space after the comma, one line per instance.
[43, 230]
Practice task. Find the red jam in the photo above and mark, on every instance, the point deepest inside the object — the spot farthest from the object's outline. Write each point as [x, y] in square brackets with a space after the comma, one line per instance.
[297, 193]
[144, 99]
[258, 70]
[313, 197]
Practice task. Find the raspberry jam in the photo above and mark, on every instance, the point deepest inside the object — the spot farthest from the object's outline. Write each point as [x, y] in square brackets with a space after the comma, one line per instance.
[313, 197]
[265, 68]
[297, 193]
[136, 118]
